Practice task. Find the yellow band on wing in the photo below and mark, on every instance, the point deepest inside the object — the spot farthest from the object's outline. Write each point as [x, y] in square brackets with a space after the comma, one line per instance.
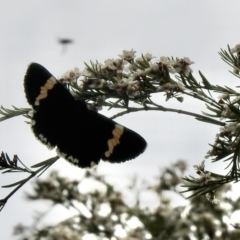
[44, 90]
[117, 133]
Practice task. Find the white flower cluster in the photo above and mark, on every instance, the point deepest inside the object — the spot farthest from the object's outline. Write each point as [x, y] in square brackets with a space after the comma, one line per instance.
[212, 198]
[97, 105]
[205, 176]
[236, 49]
[226, 141]
[70, 76]
[130, 76]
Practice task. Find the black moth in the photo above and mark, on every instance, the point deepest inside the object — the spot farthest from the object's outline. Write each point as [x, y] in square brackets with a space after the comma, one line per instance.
[81, 136]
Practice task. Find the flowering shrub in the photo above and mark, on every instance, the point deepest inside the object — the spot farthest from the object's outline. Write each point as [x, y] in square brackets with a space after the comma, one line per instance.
[127, 83]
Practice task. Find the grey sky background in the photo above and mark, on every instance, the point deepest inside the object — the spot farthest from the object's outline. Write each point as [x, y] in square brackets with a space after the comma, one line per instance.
[102, 29]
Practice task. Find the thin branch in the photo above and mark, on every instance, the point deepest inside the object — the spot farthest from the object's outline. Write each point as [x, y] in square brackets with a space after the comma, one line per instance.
[164, 109]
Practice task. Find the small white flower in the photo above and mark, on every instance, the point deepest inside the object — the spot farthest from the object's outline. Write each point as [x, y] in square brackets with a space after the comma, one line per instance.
[140, 73]
[109, 63]
[70, 76]
[115, 65]
[230, 126]
[148, 70]
[187, 61]
[148, 56]
[132, 67]
[86, 73]
[227, 111]
[180, 86]
[119, 63]
[111, 85]
[205, 177]
[126, 84]
[128, 55]
[168, 63]
[128, 81]
[168, 87]
[200, 167]
[216, 201]
[236, 49]
[132, 91]
[140, 59]
[182, 65]
[223, 96]
[155, 68]
[121, 66]
[212, 198]
[164, 60]
[31, 113]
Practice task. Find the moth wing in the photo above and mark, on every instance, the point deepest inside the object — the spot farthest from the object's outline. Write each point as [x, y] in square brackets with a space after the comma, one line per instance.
[81, 136]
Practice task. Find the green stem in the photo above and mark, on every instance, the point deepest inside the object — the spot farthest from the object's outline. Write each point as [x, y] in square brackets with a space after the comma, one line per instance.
[164, 109]
[33, 174]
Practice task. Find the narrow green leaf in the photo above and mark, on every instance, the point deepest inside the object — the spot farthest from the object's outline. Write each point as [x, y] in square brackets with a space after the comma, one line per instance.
[13, 184]
[212, 121]
[204, 80]
[44, 162]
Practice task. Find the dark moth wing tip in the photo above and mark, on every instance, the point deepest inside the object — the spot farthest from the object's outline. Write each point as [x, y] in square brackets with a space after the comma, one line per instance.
[130, 146]
[35, 77]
